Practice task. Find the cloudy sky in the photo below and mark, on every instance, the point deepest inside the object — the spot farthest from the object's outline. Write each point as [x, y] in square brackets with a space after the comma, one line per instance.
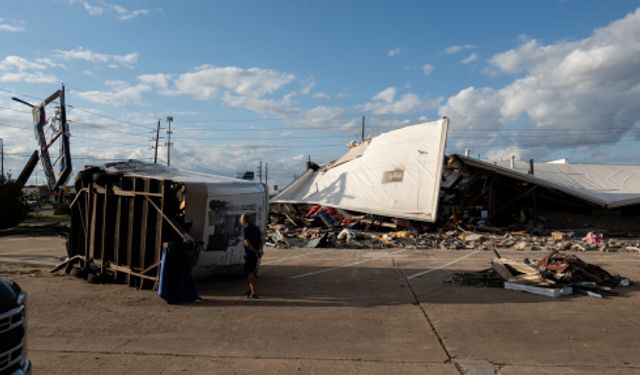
[277, 81]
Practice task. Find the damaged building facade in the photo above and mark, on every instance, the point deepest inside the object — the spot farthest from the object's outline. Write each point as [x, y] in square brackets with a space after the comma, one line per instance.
[557, 194]
[402, 182]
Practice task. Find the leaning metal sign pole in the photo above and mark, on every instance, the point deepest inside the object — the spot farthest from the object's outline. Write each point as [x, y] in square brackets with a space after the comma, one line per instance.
[51, 132]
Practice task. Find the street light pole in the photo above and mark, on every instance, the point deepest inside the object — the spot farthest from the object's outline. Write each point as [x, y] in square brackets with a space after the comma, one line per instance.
[169, 132]
[155, 155]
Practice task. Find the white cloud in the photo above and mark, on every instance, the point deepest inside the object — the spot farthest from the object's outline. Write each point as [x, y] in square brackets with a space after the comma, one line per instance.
[250, 88]
[321, 116]
[505, 153]
[120, 94]
[126, 14]
[387, 95]
[458, 48]
[19, 69]
[36, 77]
[469, 59]
[570, 94]
[12, 28]
[100, 8]
[128, 60]
[427, 69]
[256, 89]
[322, 95]
[94, 10]
[307, 85]
[385, 103]
[394, 52]
[160, 80]
[20, 63]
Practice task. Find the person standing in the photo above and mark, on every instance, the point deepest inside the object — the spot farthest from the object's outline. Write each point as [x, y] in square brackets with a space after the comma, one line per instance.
[252, 252]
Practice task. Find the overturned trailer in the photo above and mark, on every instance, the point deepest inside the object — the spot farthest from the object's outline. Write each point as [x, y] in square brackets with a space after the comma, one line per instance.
[124, 213]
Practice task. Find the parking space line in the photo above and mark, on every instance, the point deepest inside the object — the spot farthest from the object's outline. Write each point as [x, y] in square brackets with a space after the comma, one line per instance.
[293, 257]
[345, 266]
[442, 266]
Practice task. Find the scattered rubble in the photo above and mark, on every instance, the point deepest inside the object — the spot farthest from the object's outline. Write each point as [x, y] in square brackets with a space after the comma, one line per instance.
[317, 226]
[552, 276]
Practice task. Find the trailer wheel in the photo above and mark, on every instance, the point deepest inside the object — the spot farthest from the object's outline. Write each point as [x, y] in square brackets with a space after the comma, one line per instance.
[78, 272]
[92, 278]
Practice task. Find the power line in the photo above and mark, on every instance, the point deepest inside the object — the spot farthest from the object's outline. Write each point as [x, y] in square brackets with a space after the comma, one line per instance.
[107, 100]
[105, 116]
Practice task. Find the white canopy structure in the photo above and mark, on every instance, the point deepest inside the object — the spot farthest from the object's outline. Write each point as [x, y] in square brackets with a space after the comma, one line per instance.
[395, 174]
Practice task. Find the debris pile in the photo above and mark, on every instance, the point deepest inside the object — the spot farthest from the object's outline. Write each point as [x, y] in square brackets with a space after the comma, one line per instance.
[554, 275]
[318, 226]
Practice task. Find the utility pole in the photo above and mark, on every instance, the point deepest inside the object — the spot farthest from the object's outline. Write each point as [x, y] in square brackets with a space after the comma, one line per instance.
[169, 144]
[362, 139]
[2, 157]
[155, 156]
[260, 170]
[266, 174]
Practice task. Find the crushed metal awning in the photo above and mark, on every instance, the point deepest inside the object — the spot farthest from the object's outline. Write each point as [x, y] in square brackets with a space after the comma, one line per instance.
[395, 174]
[604, 185]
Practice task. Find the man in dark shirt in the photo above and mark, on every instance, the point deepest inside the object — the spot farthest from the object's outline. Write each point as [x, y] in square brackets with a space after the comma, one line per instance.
[252, 252]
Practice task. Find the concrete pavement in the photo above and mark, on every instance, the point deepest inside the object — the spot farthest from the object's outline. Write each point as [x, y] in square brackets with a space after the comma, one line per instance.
[329, 311]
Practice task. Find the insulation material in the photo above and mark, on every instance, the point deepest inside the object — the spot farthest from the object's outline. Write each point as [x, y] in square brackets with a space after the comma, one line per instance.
[395, 174]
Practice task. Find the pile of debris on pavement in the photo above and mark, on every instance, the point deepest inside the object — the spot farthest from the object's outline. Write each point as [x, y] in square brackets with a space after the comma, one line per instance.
[319, 226]
[552, 276]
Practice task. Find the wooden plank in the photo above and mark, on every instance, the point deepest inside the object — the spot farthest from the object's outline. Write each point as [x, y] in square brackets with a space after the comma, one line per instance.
[143, 227]
[146, 270]
[158, 232]
[78, 195]
[127, 193]
[94, 209]
[144, 220]
[71, 261]
[185, 236]
[500, 269]
[520, 267]
[116, 233]
[130, 222]
[87, 237]
[104, 226]
[129, 271]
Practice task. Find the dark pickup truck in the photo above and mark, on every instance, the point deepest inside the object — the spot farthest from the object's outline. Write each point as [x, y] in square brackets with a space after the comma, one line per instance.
[13, 329]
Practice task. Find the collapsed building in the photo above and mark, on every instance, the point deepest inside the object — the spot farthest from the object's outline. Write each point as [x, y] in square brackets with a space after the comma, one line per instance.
[401, 180]
[396, 174]
[558, 194]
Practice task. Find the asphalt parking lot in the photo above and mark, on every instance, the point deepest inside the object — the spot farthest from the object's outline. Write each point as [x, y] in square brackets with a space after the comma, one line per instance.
[327, 311]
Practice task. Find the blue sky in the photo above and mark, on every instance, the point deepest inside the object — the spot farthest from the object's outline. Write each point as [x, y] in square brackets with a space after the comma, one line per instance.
[280, 80]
